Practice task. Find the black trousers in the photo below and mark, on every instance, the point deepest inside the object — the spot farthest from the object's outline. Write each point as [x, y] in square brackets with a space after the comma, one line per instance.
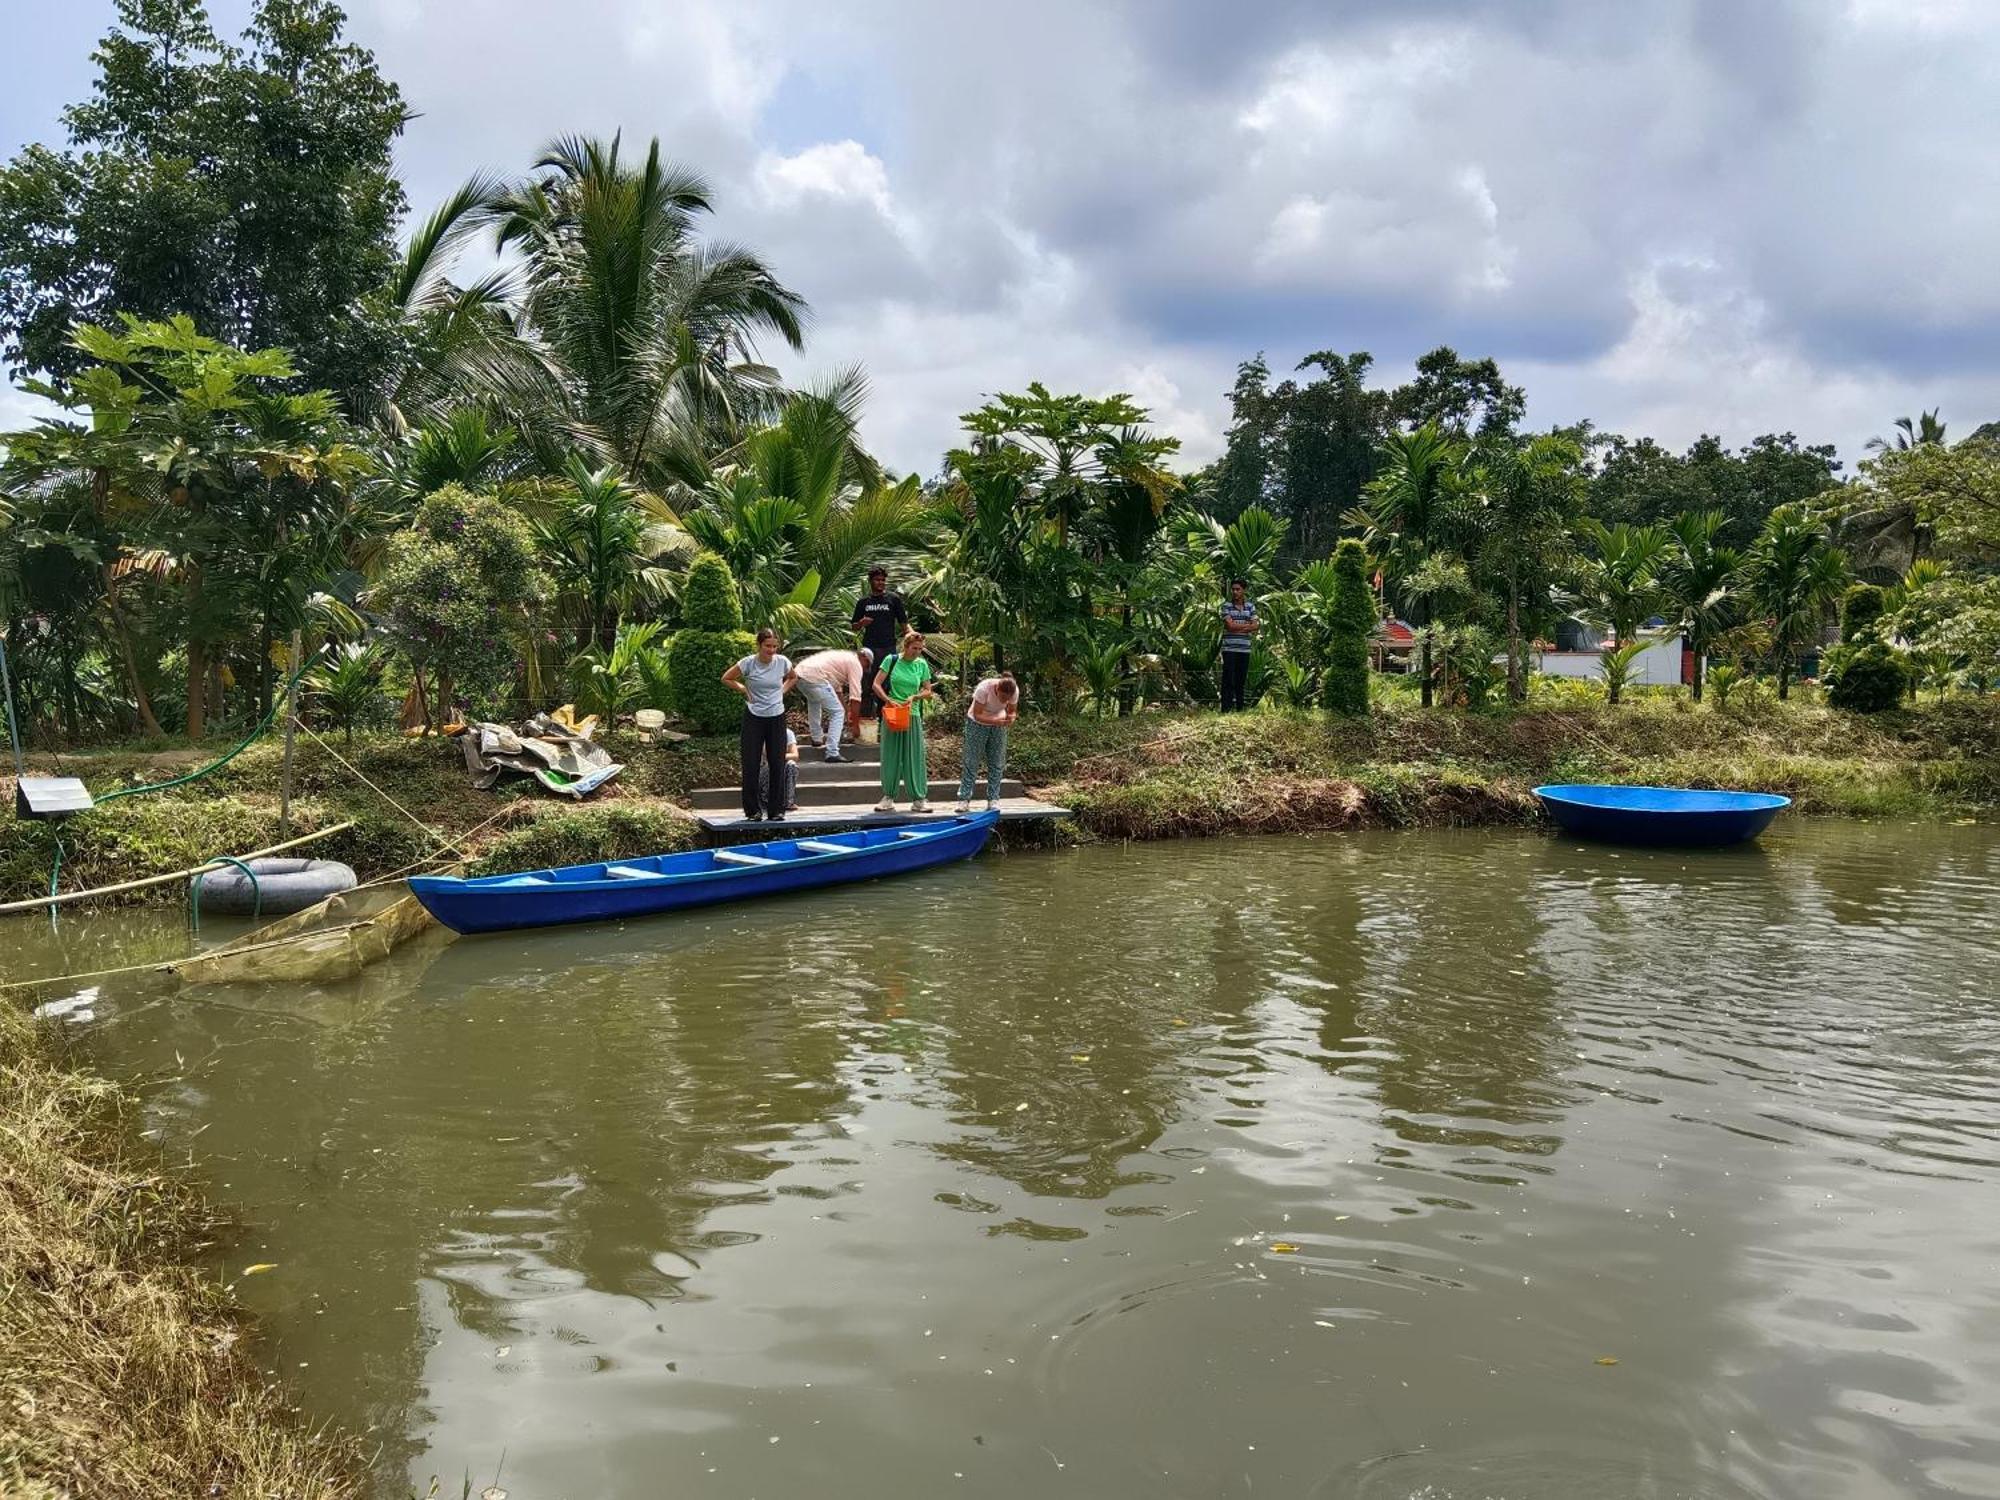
[1235, 674]
[763, 740]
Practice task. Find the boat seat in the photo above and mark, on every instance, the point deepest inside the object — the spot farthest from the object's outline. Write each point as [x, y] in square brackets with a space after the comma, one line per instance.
[525, 880]
[731, 857]
[821, 846]
[910, 833]
[628, 872]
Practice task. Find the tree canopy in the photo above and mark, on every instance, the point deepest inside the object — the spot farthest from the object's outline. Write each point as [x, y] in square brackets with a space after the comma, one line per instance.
[245, 185]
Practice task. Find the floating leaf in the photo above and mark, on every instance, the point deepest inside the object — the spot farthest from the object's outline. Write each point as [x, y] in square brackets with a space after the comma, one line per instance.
[1177, 1021]
[1607, 1360]
[1283, 1247]
[1079, 1057]
[260, 1268]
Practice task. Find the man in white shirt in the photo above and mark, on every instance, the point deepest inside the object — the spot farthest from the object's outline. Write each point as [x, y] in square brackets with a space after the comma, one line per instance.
[831, 681]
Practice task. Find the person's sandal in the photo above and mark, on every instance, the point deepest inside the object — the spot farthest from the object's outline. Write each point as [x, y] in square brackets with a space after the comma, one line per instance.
[885, 805]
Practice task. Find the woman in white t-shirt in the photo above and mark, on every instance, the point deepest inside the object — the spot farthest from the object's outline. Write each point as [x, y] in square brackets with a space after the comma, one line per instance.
[763, 680]
[994, 704]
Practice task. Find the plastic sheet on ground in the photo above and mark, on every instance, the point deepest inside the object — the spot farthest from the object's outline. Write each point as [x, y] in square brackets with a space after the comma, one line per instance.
[546, 747]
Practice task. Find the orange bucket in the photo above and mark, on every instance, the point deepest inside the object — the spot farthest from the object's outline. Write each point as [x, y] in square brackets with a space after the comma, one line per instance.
[896, 716]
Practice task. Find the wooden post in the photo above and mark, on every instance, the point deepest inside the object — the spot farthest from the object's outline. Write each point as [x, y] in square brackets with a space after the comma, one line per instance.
[291, 722]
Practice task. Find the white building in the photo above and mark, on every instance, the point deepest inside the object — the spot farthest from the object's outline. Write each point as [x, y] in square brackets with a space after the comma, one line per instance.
[1659, 665]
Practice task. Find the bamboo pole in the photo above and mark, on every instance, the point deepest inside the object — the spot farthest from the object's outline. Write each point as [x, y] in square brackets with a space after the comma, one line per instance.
[38, 902]
[291, 718]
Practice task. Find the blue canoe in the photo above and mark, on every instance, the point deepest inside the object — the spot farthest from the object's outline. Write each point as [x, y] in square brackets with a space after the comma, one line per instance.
[1668, 815]
[700, 877]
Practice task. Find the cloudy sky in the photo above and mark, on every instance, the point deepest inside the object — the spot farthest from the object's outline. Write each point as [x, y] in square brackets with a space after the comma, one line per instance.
[1730, 216]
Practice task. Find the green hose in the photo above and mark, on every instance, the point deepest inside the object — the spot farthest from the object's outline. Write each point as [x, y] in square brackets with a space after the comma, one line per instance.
[278, 701]
[194, 890]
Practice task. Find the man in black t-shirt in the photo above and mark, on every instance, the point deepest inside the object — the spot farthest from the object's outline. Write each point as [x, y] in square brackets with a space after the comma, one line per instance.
[881, 619]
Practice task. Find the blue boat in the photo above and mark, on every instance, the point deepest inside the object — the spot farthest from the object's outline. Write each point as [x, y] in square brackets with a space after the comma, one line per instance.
[700, 877]
[1677, 816]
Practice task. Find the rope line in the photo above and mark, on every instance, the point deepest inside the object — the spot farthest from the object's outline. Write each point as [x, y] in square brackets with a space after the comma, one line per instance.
[428, 831]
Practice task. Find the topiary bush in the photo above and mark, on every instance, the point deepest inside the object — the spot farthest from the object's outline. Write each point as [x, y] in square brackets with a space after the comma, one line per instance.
[710, 640]
[1352, 621]
[1860, 610]
[1865, 679]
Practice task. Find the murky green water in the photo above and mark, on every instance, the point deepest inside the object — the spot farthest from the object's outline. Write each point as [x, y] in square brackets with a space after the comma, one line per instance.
[1316, 1167]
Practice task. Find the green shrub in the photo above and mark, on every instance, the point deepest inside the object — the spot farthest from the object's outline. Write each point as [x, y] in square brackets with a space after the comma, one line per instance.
[1860, 610]
[455, 584]
[1352, 620]
[710, 641]
[585, 835]
[1866, 679]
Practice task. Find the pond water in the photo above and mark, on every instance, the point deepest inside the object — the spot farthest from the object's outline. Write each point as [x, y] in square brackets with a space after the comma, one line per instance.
[1474, 1164]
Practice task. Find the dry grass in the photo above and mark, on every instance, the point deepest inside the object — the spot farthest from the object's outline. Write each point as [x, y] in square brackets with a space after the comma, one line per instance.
[123, 1371]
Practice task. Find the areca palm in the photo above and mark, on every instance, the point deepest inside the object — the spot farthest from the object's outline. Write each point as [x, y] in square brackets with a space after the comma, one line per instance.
[799, 510]
[1793, 574]
[1529, 494]
[601, 547]
[1414, 510]
[1697, 580]
[1617, 584]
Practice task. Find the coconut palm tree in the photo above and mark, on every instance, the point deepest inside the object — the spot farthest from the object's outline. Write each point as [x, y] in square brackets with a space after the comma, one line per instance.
[1697, 582]
[1925, 430]
[1792, 574]
[653, 332]
[610, 328]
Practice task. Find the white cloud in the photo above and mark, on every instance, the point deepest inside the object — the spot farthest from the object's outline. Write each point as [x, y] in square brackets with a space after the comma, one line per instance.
[1702, 353]
[1681, 217]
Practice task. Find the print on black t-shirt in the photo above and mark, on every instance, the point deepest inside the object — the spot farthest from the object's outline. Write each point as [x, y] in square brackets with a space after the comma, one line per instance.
[882, 617]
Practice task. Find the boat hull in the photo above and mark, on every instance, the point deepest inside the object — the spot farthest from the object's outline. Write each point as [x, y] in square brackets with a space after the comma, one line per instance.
[1661, 816]
[679, 882]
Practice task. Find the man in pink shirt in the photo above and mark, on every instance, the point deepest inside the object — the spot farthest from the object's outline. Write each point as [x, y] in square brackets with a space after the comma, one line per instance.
[831, 680]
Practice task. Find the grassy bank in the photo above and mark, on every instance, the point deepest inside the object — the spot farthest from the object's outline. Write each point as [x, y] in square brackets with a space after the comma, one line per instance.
[1278, 772]
[123, 1370]
[1149, 776]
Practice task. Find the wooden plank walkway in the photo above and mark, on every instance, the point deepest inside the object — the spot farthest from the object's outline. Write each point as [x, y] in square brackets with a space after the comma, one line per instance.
[840, 796]
[820, 819]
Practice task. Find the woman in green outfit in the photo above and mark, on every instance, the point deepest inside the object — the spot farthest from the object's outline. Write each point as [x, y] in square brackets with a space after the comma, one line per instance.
[905, 681]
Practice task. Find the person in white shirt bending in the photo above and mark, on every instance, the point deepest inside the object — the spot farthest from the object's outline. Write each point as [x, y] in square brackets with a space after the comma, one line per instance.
[832, 681]
[994, 704]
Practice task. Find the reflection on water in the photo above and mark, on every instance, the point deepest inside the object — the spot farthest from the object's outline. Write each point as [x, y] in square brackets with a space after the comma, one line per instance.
[1331, 1167]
